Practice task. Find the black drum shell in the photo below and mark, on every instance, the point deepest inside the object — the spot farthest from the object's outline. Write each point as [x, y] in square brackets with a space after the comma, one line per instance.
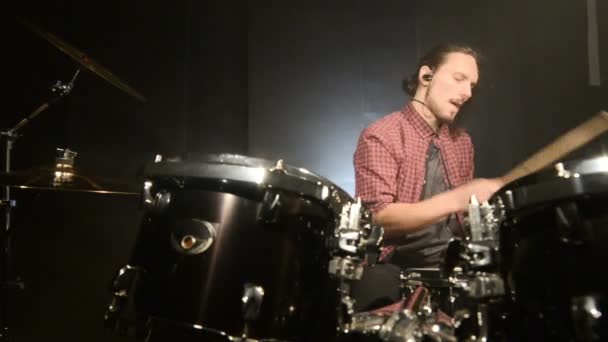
[284, 253]
[553, 250]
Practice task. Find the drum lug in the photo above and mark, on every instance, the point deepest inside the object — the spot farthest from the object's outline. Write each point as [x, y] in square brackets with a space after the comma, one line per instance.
[279, 167]
[270, 206]
[586, 315]
[571, 228]
[253, 296]
[158, 202]
[121, 288]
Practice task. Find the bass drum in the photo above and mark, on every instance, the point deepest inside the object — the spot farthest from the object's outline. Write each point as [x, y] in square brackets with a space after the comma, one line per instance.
[554, 250]
[234, 247]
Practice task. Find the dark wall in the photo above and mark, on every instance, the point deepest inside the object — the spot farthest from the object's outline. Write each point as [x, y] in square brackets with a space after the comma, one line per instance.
[319, 73]
[216, 74]
[297, 81]
[602, 9]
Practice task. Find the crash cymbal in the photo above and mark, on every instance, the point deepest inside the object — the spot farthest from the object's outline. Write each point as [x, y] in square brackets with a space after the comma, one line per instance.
[84, 60]
[48, 178]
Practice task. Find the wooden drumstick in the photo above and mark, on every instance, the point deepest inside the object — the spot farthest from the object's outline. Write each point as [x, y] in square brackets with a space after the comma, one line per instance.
[564, 144]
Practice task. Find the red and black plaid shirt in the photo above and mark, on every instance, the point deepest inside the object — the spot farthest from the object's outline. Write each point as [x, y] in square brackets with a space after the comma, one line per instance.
[390, 159]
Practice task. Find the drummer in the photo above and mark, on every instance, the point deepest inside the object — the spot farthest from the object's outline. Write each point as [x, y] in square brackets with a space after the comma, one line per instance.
[414, 170]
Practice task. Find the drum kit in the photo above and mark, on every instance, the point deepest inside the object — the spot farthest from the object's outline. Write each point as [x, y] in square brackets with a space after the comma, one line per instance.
[235, 248]
[238, 248]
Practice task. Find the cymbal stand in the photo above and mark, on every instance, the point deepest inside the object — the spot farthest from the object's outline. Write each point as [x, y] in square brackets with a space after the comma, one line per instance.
[9, 283]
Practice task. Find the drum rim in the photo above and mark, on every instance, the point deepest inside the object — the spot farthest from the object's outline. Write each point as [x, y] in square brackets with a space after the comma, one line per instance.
[571, 169]
[577, 178]
[259, 172]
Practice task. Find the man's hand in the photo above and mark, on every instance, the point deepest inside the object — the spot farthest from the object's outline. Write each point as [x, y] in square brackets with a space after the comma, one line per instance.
[400, 218]
[482, 188]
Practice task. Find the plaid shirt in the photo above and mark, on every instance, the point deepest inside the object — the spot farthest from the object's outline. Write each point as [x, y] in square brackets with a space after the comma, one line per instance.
[390, 159]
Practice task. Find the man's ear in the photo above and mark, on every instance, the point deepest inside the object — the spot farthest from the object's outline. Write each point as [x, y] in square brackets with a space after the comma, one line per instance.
[425, 74]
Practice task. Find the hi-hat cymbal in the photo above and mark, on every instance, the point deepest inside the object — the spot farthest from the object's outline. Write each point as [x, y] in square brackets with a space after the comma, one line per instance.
[84, 60]
[47, 178]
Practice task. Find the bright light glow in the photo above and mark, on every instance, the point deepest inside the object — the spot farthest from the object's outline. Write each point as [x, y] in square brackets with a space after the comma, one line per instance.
[603, 162]
[258, 175]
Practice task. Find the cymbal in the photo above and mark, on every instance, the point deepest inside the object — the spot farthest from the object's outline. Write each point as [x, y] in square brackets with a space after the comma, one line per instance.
[84, 60]
[48, 178]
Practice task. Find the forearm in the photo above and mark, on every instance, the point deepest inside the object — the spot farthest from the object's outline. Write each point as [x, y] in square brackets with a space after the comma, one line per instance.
[398, 219]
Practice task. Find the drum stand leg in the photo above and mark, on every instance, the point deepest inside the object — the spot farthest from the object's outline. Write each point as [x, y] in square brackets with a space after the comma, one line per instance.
[253, 297]
[483, 322]
[8, 284]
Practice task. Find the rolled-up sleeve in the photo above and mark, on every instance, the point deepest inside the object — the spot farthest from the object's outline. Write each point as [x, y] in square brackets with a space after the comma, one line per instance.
[376, 168]
[468, 167]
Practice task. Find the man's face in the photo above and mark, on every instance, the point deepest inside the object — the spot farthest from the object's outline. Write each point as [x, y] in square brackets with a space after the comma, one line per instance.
[451, 86]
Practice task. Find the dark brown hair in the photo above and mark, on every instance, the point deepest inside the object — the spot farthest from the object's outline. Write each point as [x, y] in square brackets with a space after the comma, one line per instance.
[434, 59]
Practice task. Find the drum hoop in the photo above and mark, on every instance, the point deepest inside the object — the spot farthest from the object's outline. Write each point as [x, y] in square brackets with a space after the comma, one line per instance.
[294, 180]
[557, 189]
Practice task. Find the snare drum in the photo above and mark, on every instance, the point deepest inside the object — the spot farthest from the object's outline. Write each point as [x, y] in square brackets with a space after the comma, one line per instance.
[554, 250]
[237, 247]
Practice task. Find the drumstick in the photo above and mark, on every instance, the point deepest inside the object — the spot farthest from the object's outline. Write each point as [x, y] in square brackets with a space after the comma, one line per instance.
[564, 144]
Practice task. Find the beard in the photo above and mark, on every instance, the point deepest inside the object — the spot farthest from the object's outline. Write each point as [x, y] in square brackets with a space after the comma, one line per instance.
[440, 115]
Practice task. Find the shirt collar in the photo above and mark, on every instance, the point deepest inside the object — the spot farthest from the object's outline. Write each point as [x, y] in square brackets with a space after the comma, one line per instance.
[421, 126]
